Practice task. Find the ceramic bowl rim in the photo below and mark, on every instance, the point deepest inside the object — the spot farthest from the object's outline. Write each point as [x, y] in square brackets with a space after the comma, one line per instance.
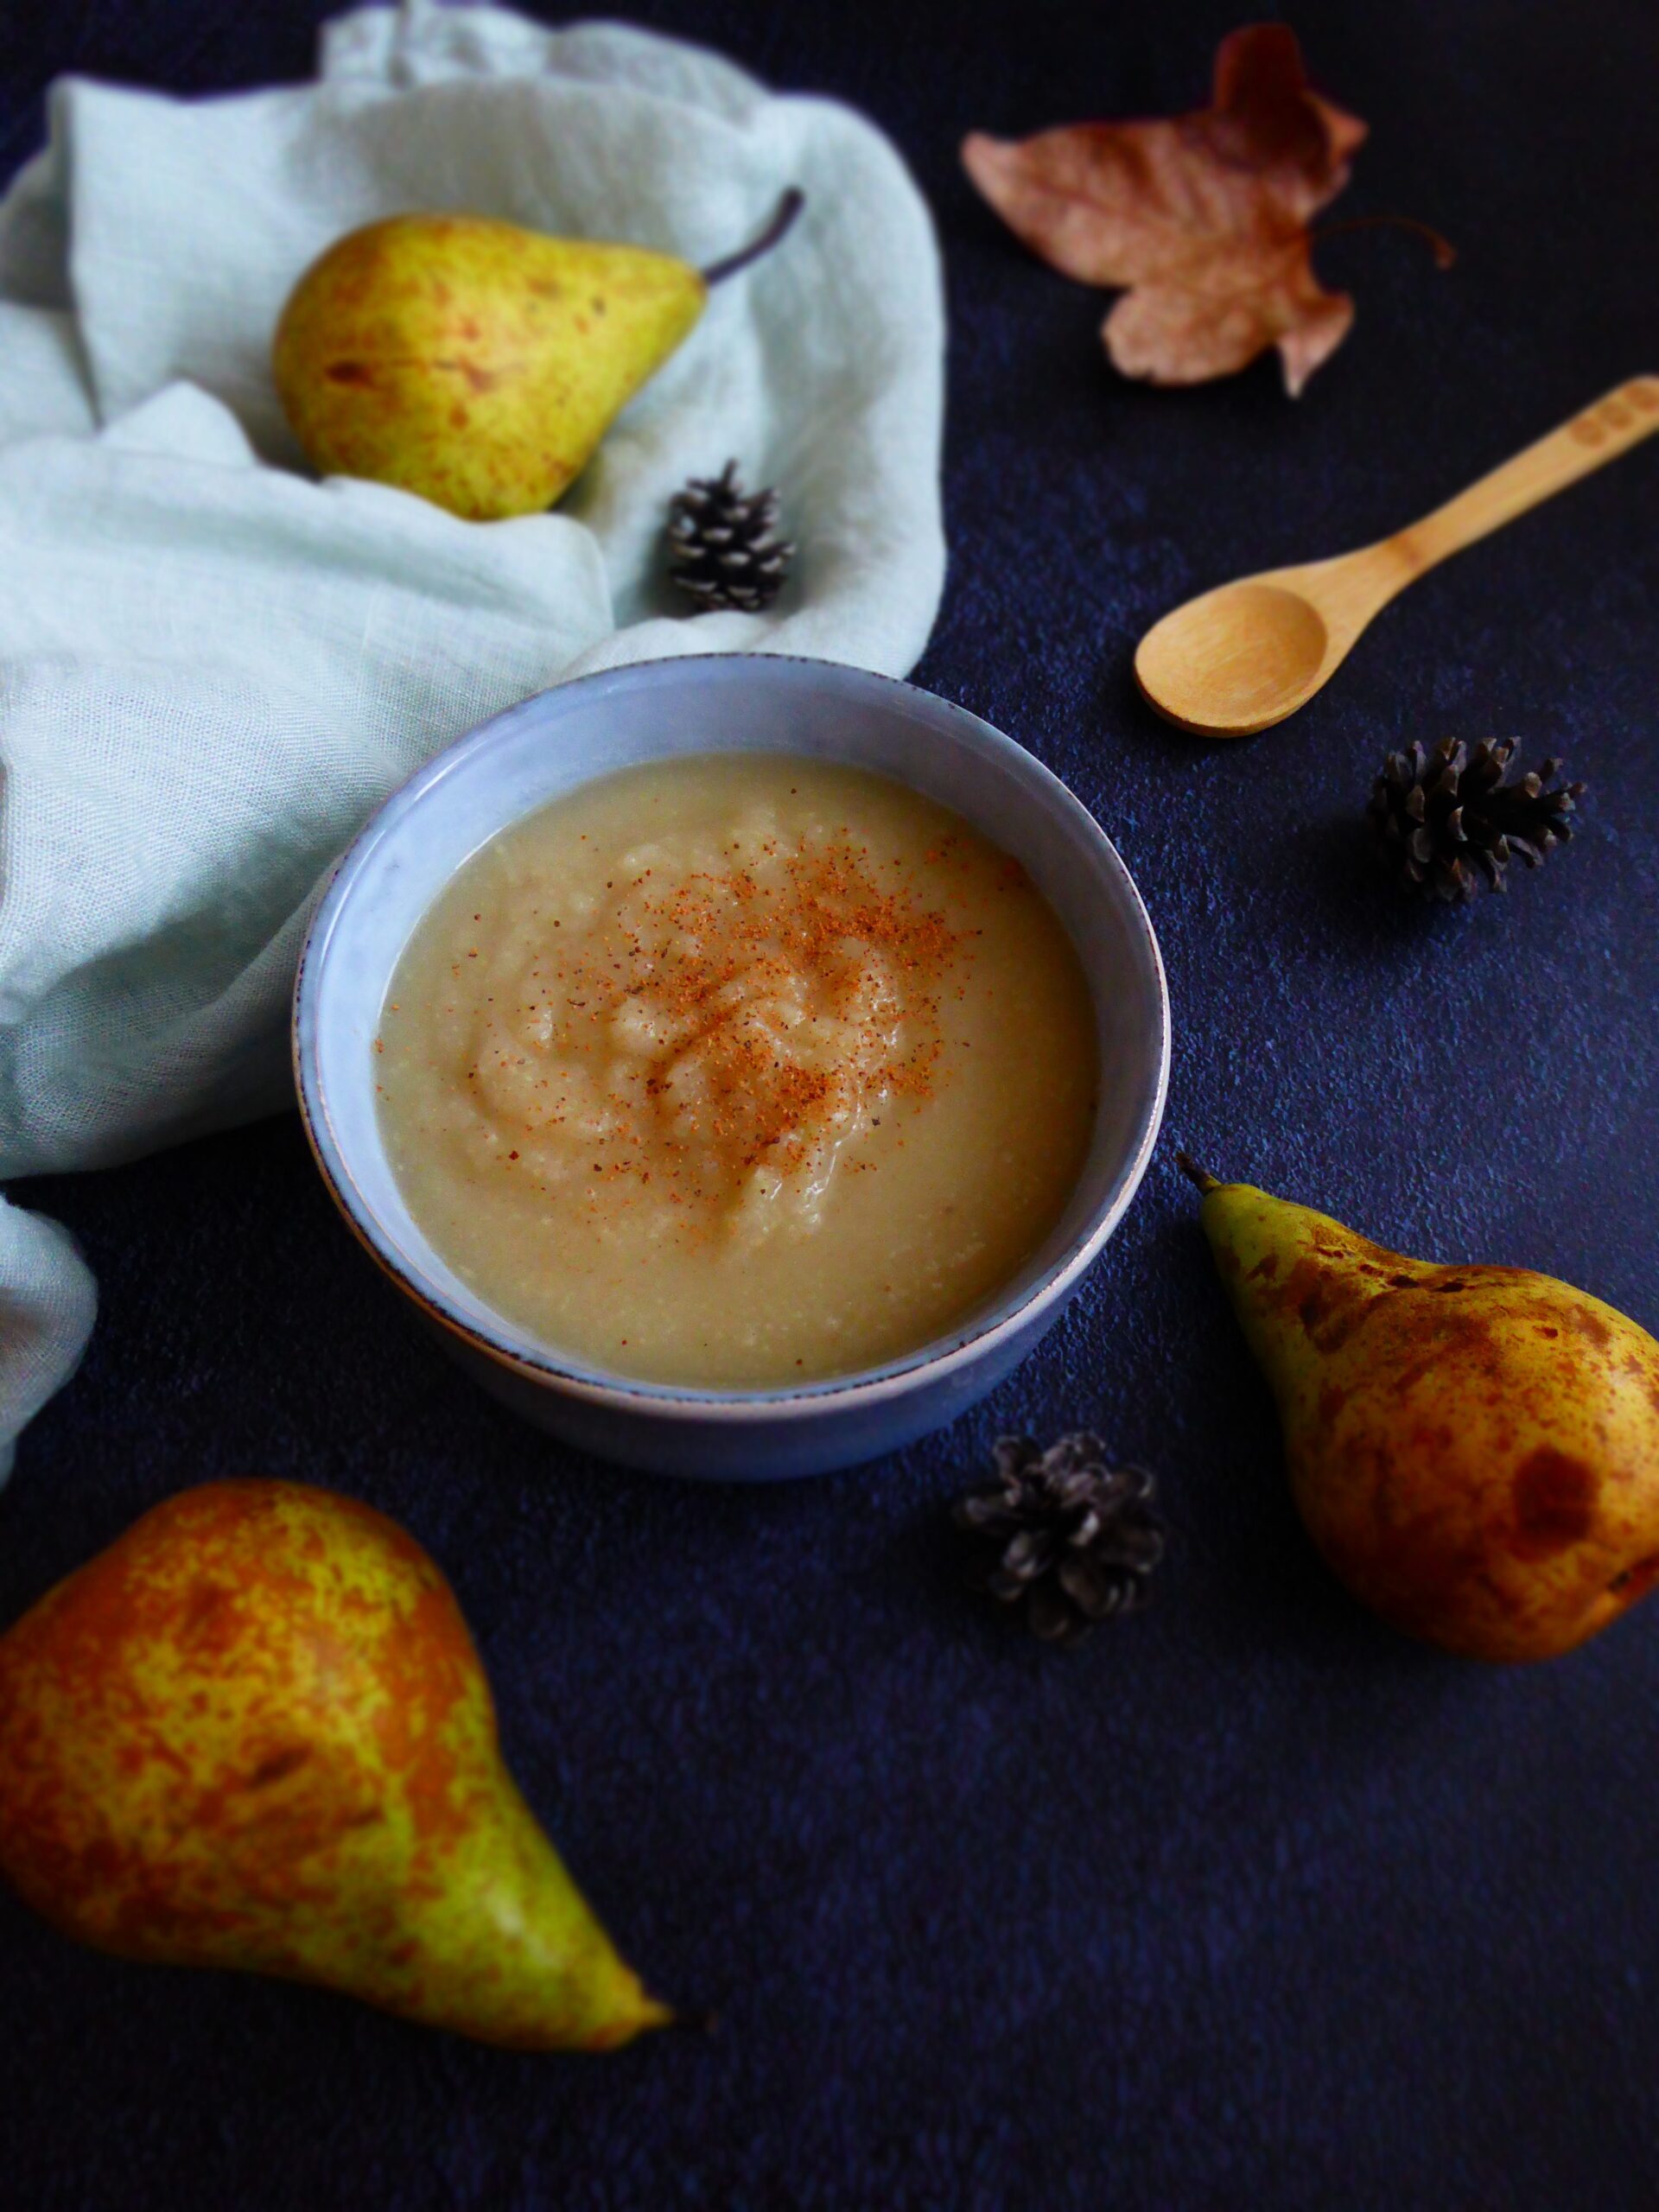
[868, 1386]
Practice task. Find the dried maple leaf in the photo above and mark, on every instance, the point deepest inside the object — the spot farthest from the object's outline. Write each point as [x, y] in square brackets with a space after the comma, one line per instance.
[1203, 216]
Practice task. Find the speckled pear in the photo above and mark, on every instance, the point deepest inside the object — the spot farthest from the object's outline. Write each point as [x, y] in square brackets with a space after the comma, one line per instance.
[255, 1732]
[476, 362]
[1475, 1450]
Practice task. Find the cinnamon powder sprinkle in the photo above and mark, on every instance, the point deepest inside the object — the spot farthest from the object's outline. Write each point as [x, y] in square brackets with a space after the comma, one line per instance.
[720, 953]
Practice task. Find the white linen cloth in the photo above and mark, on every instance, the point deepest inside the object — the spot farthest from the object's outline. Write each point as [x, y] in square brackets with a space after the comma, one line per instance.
[212, 667]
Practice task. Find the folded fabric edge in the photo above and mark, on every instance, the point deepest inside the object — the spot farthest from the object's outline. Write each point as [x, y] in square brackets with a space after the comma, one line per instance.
[397, 48]
[48, 1301]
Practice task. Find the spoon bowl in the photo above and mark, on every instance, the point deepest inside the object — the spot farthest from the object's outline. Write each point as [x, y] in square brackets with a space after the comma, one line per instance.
[1237, 659]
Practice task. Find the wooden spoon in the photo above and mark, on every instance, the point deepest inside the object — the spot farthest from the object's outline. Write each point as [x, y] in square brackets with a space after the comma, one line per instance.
[1244, 656]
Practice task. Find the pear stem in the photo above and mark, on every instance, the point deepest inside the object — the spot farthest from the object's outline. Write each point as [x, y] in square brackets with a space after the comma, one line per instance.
[783, 218]
[1194, 1174]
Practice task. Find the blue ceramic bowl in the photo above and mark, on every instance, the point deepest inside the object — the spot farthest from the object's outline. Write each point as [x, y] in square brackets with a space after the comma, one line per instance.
[725, 703]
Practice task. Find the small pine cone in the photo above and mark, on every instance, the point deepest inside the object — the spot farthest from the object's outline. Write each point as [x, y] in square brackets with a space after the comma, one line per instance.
[1074, 1539]
[720, 546]
[1449, 821]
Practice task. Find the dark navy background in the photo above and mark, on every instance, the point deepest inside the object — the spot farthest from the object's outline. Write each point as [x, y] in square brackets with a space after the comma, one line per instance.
[1248, 1903]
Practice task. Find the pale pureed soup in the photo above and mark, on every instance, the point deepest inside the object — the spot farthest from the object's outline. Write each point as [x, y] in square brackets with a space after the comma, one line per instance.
[737, 1071]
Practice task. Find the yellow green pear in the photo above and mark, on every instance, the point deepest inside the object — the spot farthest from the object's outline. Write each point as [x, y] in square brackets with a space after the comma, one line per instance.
[255, 1732]
[1475, 1450]
[476, 362]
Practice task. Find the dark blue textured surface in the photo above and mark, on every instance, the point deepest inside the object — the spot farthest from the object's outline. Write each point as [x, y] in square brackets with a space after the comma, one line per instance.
[1250, 1903]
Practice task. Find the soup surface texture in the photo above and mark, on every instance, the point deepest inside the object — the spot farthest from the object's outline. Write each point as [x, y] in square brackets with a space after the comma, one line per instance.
[737, 1071]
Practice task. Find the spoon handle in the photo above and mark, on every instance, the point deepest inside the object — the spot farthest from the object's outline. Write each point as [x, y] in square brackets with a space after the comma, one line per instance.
[1599, 434]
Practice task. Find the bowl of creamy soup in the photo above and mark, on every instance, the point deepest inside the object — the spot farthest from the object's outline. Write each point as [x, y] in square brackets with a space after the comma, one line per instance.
[738, 1060]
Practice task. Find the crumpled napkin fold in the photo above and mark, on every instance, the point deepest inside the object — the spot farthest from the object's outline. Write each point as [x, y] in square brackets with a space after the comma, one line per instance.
[212, 667]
